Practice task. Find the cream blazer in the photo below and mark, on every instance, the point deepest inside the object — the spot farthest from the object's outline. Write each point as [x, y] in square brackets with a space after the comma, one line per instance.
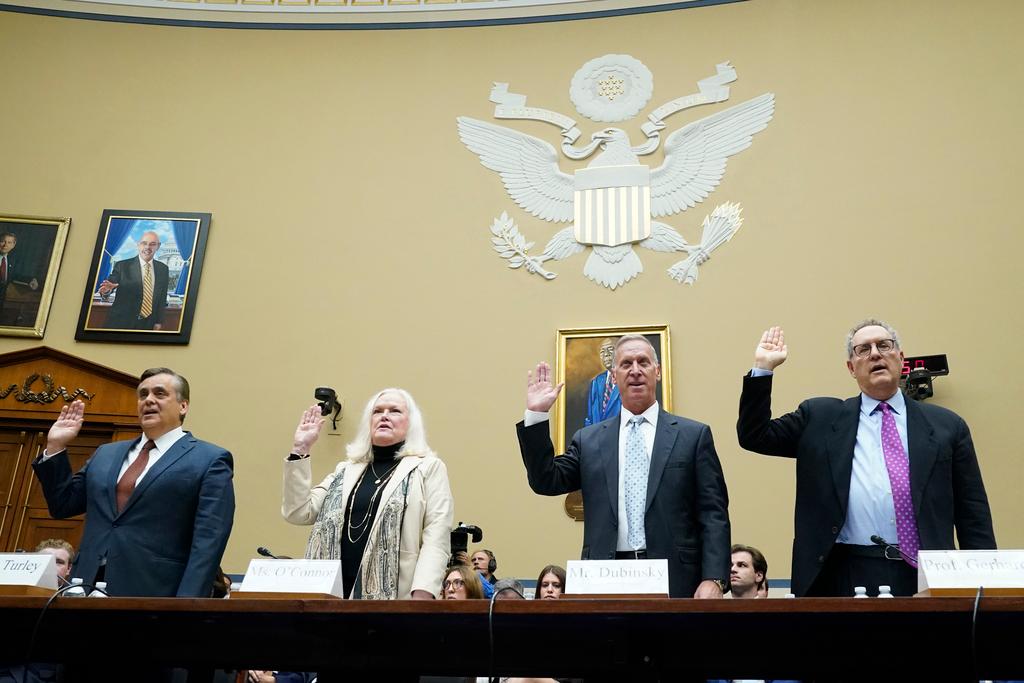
[425, 544]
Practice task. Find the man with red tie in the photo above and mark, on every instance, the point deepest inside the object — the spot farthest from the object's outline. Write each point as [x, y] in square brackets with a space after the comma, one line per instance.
[158, 509]
[878, 477]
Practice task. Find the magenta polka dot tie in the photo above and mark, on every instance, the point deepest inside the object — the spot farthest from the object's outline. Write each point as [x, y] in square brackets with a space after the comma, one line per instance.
[898, 465]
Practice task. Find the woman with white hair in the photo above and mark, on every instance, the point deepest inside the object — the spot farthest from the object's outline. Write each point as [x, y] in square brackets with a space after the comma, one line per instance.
[386, 511]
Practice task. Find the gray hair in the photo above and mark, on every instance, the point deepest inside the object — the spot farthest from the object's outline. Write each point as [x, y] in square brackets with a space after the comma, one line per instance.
[637, 337]
[509, 585]
[869, 322]
[361, 448]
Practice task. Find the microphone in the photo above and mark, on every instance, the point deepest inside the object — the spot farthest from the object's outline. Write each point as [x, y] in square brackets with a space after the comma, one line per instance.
[266, 553]
[878, 540]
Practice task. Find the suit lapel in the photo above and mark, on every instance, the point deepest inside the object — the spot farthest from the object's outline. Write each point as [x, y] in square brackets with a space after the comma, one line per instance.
[839, 449]
[923, 451]
[664, 441]
[112, 472]
[173, 454]
[608, 447]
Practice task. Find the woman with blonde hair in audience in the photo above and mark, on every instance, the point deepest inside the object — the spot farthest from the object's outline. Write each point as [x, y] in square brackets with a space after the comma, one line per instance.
[550, 583]
[462, 583]
[385, 512]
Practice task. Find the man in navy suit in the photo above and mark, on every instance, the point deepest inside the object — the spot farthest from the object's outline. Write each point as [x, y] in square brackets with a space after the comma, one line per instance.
[11, 272]
[873, 466]
[138, 306]
[158, 509]
[651, 481]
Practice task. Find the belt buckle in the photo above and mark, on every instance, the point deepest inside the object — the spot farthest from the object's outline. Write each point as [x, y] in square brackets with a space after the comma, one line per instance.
[640, 554]
[885, 552]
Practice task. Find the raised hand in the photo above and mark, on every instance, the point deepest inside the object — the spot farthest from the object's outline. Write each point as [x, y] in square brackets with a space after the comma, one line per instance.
[771, 351]
[308, 430]
[66, 428]
[540, 394]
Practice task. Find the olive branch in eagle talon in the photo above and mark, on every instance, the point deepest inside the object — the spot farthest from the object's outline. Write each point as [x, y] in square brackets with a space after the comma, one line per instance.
[511, 245]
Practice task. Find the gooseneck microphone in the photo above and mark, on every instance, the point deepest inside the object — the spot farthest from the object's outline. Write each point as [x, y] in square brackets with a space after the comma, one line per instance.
[266, 553]
[878, 540]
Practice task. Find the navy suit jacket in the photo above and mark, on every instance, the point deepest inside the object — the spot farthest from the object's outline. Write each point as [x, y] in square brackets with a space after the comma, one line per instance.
[945, 481]
[687, 515]
[169, 539]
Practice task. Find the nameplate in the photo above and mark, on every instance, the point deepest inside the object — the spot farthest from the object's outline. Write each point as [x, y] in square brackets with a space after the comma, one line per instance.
[322, 577]
[28, 569]
[939, 570]
[616, 577]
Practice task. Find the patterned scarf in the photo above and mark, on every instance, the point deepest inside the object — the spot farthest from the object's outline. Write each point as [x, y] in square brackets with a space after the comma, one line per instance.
[378, 571]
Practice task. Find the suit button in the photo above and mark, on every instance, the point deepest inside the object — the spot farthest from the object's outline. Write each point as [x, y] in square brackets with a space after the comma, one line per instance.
[835, 530]
[821, 558]
[114, 525]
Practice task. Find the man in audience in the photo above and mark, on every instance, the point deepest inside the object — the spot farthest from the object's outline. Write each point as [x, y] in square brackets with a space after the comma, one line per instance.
[63, 552]
[509, 589]
[651, 481]
[749, 576]
[484, 562]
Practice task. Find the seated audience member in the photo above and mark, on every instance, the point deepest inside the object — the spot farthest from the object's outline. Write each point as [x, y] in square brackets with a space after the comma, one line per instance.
[749, 575]
[509, 589]
[256, 676]
[63, 552]
[484, 562]
[550, 583]
[462, 583]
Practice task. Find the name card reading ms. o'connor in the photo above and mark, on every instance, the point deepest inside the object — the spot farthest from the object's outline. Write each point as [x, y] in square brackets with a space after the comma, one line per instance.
[24, 569]
[945, 569]
[589, 577]
[294, 576]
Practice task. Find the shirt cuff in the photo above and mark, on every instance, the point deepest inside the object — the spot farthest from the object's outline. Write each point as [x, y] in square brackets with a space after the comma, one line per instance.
[532, 417]
[759, 372]
[46, 456]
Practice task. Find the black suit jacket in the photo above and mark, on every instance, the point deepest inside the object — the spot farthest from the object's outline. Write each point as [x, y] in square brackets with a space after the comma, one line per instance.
[124, 313]
[169, 539]
[945, 481]
[687, 514]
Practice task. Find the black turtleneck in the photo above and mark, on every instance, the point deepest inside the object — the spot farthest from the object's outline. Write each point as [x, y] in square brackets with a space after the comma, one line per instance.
[359, 507]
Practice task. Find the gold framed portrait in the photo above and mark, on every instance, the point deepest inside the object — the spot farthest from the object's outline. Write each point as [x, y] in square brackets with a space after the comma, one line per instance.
[31, 248]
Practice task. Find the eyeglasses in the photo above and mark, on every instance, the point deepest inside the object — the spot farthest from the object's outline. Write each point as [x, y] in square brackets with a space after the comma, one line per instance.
[454, 583]
[884, 346]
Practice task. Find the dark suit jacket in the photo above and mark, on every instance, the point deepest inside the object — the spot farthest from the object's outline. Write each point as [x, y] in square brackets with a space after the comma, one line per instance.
[687, 514]
[945, 481]
[169, 539]
[124, 313]
[14, 272]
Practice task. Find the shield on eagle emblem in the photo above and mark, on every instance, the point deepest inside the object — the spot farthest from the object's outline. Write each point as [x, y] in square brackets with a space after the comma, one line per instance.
[612, 204]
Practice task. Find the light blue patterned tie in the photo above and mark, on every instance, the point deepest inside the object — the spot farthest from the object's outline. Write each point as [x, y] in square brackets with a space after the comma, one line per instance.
[635, 476]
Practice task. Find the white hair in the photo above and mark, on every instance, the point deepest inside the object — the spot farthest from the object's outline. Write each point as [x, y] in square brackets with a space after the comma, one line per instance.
[361, 448]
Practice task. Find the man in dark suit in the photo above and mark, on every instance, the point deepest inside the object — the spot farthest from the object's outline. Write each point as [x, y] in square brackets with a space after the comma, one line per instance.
[141, 288]
[11, 271]
[158, 509]
[651, 481]
[875, 465]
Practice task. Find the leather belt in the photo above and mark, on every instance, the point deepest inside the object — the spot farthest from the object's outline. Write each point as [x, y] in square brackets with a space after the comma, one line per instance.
[875, 551]
[630, 554]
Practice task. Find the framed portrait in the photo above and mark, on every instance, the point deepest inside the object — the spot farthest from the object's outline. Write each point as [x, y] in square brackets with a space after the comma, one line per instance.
[30, 253]
[144, 279]
[583, 360]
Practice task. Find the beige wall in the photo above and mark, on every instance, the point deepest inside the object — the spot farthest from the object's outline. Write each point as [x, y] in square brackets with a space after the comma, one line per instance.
[350, 246]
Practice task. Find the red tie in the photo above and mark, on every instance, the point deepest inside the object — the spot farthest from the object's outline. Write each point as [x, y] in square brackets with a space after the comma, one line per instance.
[126, 484]
[3, 269]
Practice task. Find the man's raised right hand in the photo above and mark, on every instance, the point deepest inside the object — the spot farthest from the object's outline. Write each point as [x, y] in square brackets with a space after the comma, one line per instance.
[66, 428]
[540, 393]
[771, 351]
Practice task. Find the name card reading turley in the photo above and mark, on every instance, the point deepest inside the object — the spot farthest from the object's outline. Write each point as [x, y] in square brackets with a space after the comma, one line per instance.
[24, 569]
[322, 577]
[968, 569]
[613, 577]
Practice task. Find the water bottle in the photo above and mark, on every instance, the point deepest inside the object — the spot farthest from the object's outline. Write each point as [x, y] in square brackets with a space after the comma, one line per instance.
[860, 592]
[790, 595]
[885, 592]
[76, 590]
[100, 586]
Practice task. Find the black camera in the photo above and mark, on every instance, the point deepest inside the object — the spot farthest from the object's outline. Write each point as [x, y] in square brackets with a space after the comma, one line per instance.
[328, 400]
[918, 372]
[460, 538]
